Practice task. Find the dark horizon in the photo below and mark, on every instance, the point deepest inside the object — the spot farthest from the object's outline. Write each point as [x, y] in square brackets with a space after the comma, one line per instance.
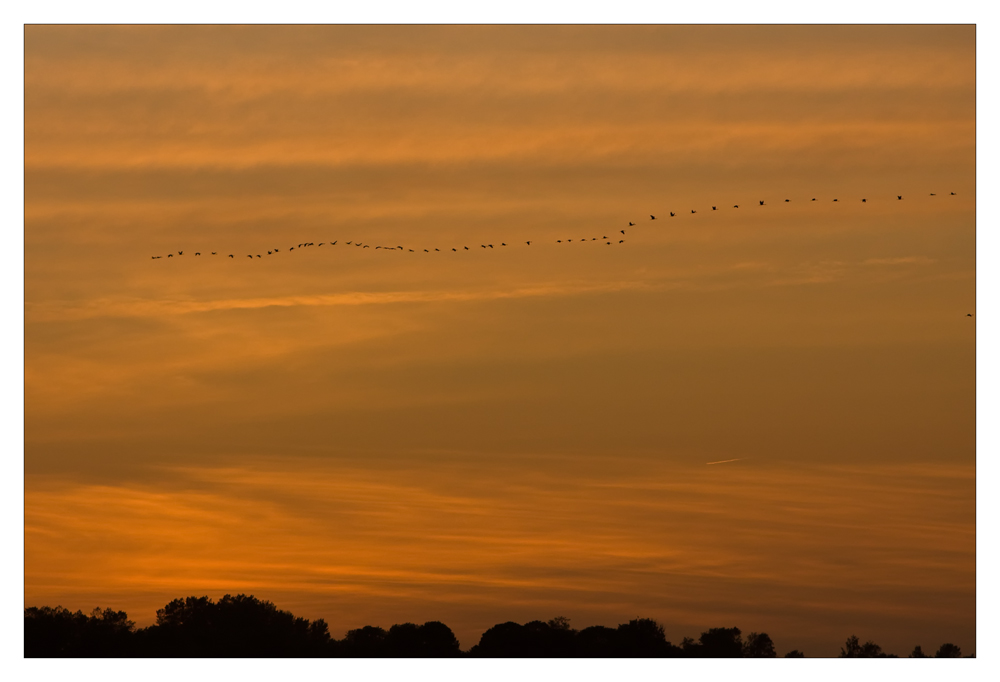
[244, 626]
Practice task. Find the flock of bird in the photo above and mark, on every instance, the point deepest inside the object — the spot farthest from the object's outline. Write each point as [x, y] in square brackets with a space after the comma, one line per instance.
[608, 241]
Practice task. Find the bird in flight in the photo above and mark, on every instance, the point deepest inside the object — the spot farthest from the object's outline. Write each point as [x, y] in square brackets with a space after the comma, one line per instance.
[652, 217]
[180, 253]
[787, 200]
[899, 198]
[213, 253]
[693, 211]
[713, 208]
[736, 205]
[933, 195]
[834, 199]
[623, 231]
[969, 315]
[762, 202]
[630, 223]
[952, 194]
[864, 201]
[528, 243]
[197, 253]
[230, 255]
[814, 198]
[170, 255]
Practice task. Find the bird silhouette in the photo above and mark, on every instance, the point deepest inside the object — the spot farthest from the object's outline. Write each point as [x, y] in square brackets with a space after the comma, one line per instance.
[249, 256]
[569, 240]
[630, 223]
[864, 201]
[736, 205]
[623, 231]
[180, 253]
[528, 243]
[348, 242]
[333, 243]
[466, 248]
[268, 253]
[426, 251]
[900, 198]
[258, 255]
[170, 255]
[230, 255]
[197, 253]
[503, 244]
[621, 241]
[713, 208]
[321, 243]
[652, 217]
[213, 253]
[671, 214]
[933, 195]
[787, 200]
[454, 249]
[969, 315]
[365, 246]
[834, 199]
[761, 203]
[814, 198]
[559, 241]
[952, 194]
[693, 211]
[437, 249]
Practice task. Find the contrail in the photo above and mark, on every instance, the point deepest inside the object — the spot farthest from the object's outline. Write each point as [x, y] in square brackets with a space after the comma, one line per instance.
[723, 461]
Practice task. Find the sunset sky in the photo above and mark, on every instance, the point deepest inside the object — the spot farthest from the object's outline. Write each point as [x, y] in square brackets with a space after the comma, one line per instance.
[518, 432]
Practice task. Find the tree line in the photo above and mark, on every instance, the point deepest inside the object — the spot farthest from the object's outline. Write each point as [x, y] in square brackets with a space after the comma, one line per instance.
[245, 627]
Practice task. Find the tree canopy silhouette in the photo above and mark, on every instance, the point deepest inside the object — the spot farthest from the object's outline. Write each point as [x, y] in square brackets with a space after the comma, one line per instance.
[244, 626]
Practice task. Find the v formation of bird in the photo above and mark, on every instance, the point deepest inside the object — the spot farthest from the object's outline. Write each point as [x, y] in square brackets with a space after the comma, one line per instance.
[605, 240]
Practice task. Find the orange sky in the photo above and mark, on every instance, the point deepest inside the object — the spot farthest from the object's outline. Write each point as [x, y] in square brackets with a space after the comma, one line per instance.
[521, 432]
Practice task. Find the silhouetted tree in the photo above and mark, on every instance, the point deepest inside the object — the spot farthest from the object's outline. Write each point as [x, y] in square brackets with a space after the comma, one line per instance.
[643, 637]
[241, 626]
[918, 653]
[721, 643]
[366, 642]
[559, 623]
[505, 640]
[948, 651]
[795, 653]
[57, 632]
[758, 645]
[597, 641]
[854, 649]
[430, 640]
